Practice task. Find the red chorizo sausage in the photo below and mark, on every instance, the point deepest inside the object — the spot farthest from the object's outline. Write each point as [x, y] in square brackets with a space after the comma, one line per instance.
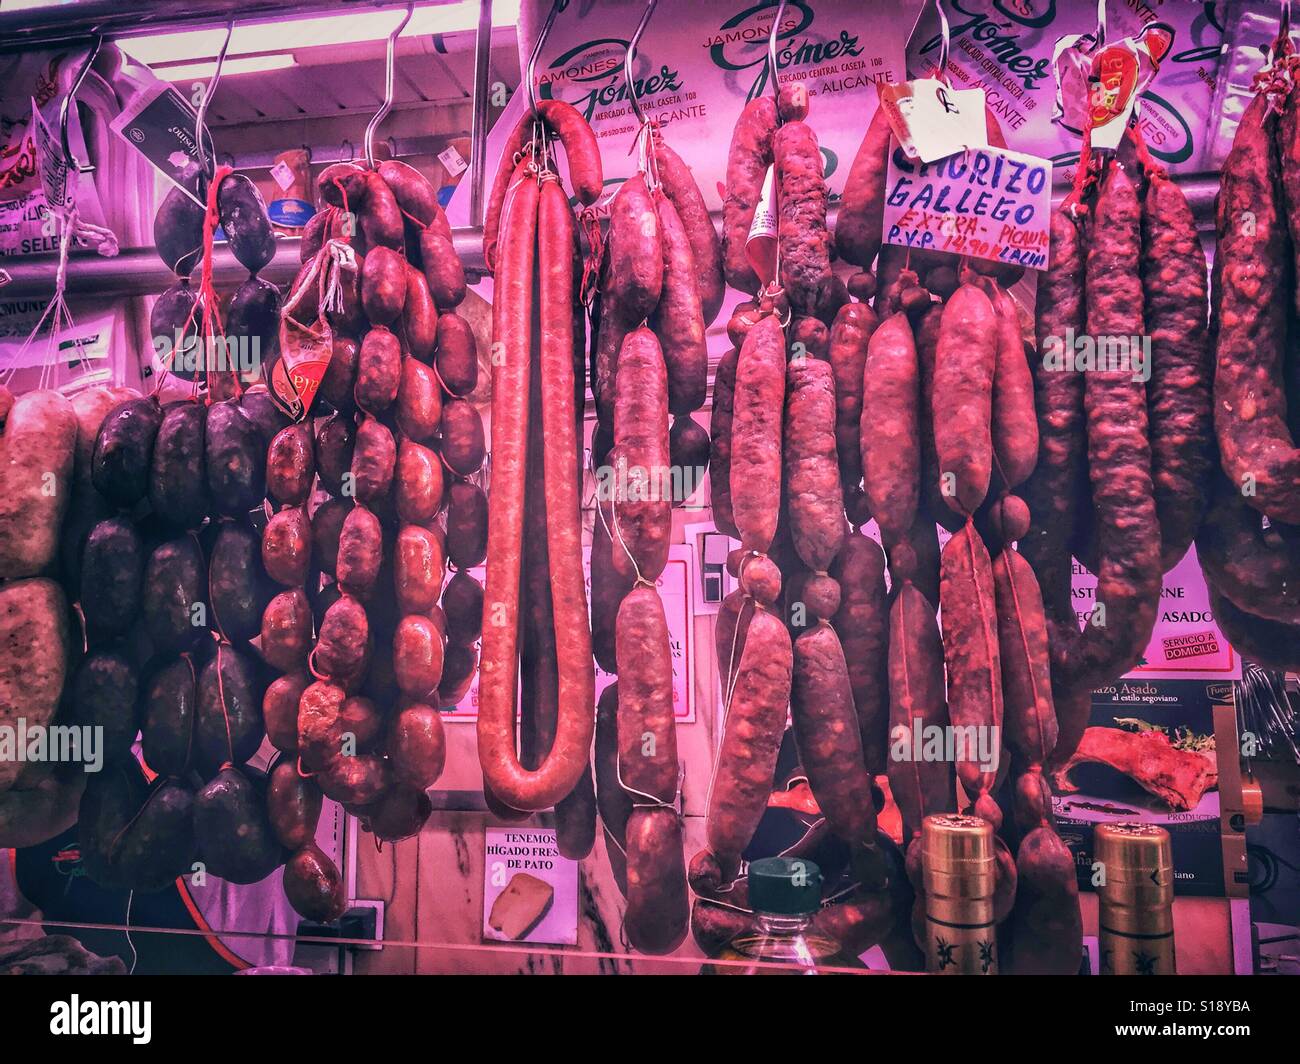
[720, 418]
[890, 433]
[964, 366]
[860, 223]
[748, 158]
[706, 249]
[642, 507]
[803, 239]
[678, 320]
[850, 336]
[756, 434]
[812, 480]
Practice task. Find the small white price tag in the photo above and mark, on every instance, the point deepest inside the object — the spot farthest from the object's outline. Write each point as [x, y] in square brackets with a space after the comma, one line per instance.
[760, 245]
[932, 120]
[453, 160]
[282, 175]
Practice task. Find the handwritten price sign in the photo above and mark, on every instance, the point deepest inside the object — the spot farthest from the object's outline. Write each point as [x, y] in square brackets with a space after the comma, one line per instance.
[988, 203]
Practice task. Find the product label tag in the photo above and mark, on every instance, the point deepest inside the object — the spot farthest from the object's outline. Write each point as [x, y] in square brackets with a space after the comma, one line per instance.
[760, 245]
[453, 160]
[159, 123]
[293, 213]
[932, 120]
[989, 203]
[282, 175]
[57, 179]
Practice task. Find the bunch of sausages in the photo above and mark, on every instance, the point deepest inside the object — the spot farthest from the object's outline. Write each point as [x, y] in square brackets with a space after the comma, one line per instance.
[536, 636]
[358, 543]
[1249, 545]
[661, 286]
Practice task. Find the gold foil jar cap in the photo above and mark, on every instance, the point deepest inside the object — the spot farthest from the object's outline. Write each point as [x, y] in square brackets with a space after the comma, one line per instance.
[957, 855]
[1135, 856]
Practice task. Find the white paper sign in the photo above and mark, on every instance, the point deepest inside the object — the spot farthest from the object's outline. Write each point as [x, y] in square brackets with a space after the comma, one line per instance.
[530, 892]
[453, 160]
[932, 120]
[989, 203]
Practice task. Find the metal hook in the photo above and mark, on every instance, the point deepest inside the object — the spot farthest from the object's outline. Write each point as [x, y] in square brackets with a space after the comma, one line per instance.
[1101, 23]
[771, 51]
[65, 109]
[556, 8]
[945, 41]
[390, 68]
[630, 55]
[200, 126]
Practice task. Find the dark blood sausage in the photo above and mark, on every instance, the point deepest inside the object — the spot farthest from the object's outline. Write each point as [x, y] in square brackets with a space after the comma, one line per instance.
[688, 449]
[418, 567]
[642, 509]
[112, 574]
[1179, 402]
[335, 440]
[748, 158]
[962, 409]
[457, 357]
[1255, 568]
[608, 587]
[658, 907]
[647, 736]
[467, 525]
[462, 602]
[1014, 426]
[463, 446]
[313, 885]
[812, 478]
[236, 459]
[678, 319]
[862, 623]
[228, 724]
[326, 526]
[291, 465]
[850, 336]
[443, 272]
[1272, 644]
[102, 693]
[123, 456]
[293, 802]
[720, 419]
[379, 371]
[859, 226]
[459, 664]
[1028, 710]
[245, 223]
[234, 836]
[890, 433]
[286, 630]
[178, 228]
[612, 801]
[1119, 455]
[1046, 924]
[1250, 409]
[175, 595]
[581, 152]
[970, 645]
[751, 740]
[237, 583]
[826, 732]
[757, 407]
[177, 488]
[917, 701]
[1058, 487]
[706, 249]
[167, 718]
[802, 236]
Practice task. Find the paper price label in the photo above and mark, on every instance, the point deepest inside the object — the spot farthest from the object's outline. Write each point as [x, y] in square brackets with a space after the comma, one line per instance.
[282, 175]
[453, 160]
[989, 203]
[760, 245]
[57, 180]
[932, 120]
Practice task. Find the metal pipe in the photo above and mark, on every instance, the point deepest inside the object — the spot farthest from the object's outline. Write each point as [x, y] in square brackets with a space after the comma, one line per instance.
[139, 271]
[479, 128]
